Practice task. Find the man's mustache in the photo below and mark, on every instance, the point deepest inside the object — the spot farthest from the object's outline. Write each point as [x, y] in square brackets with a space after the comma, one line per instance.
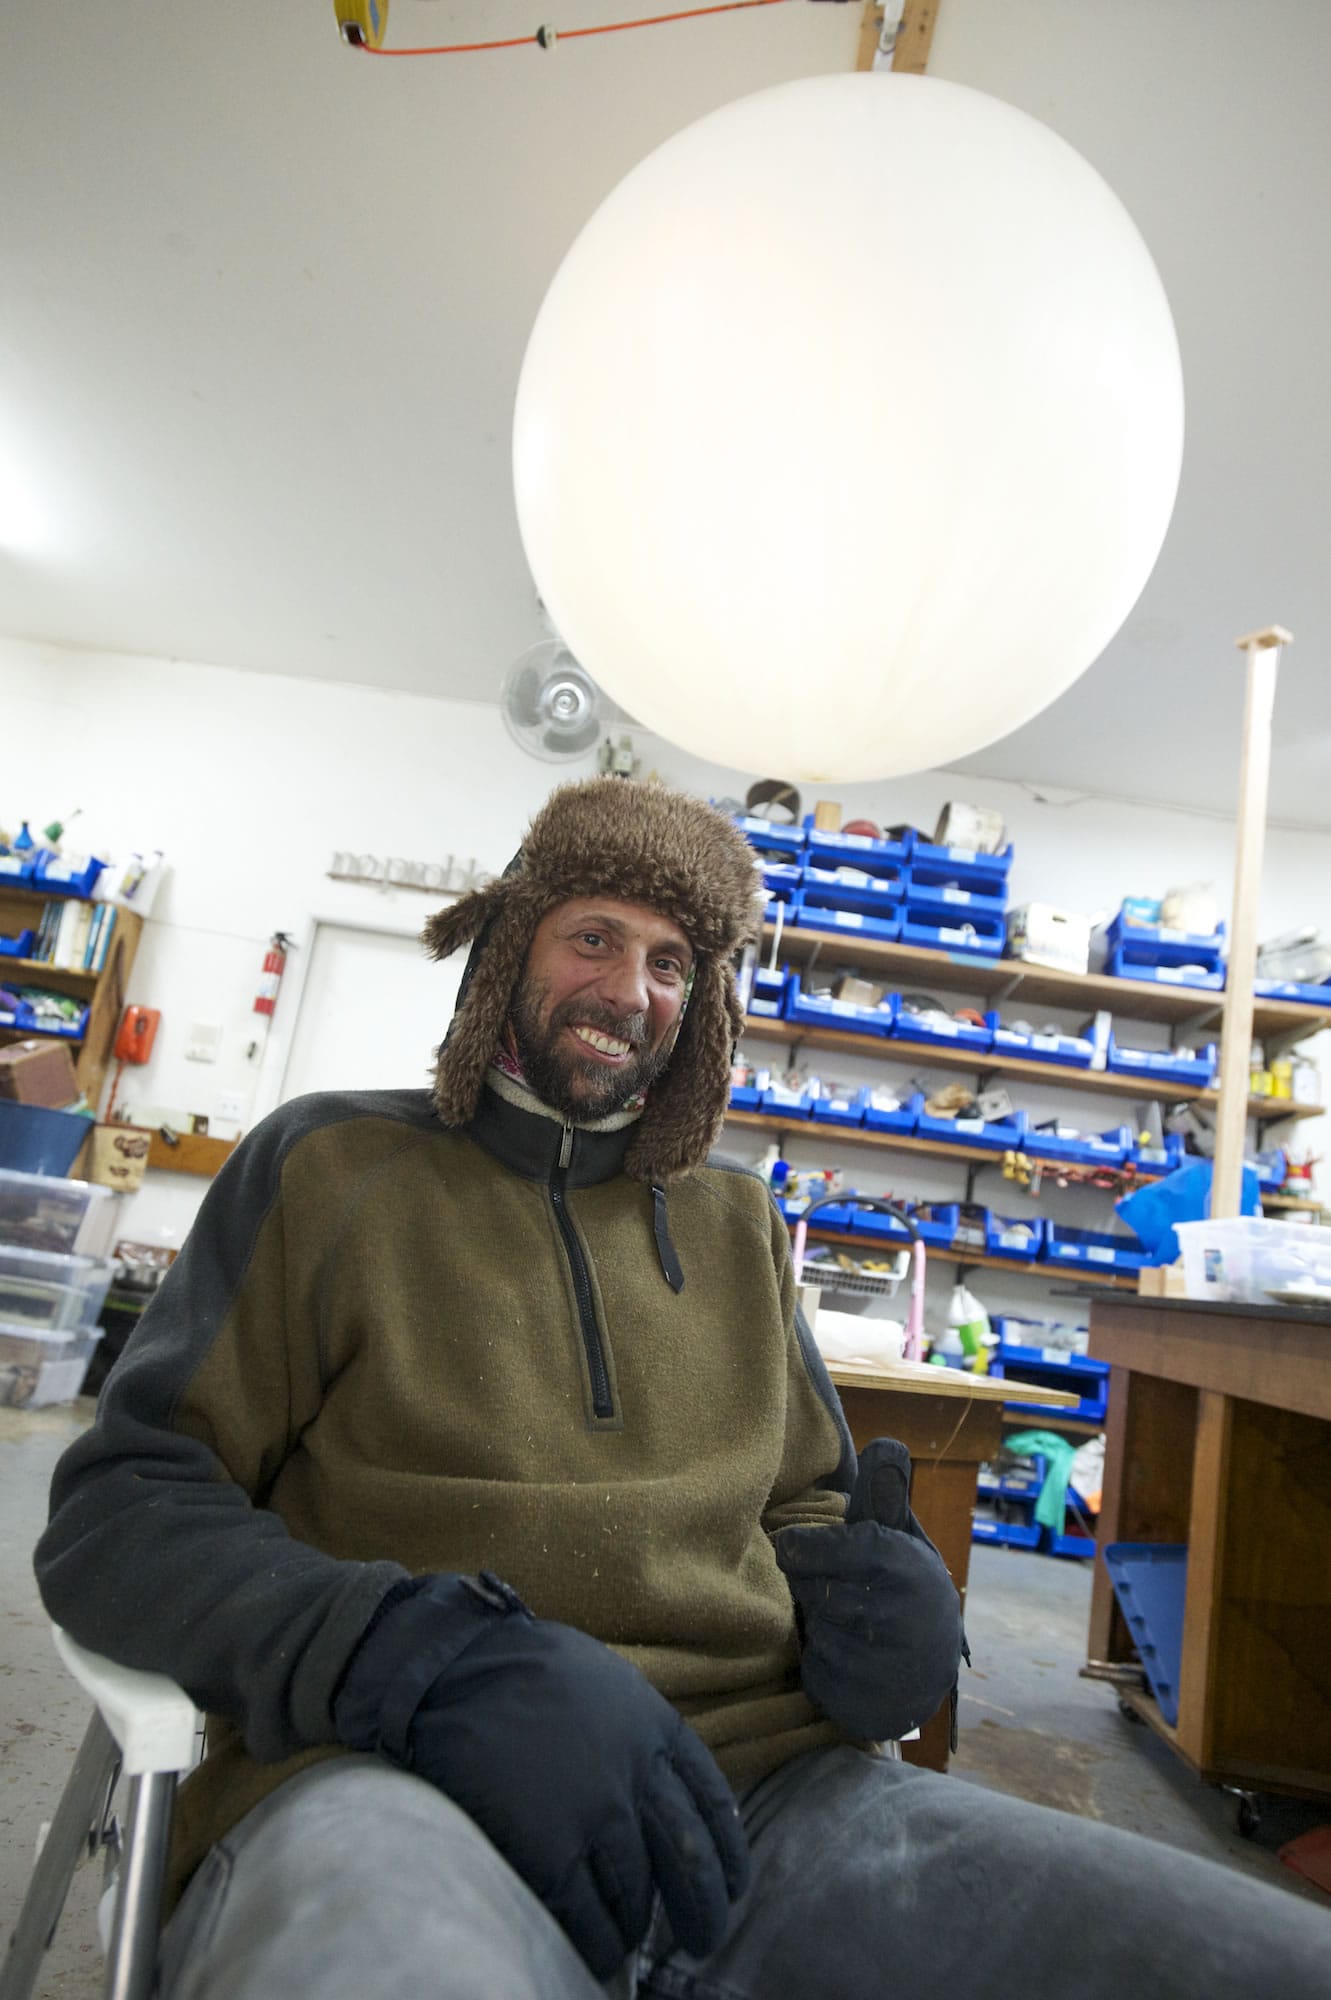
[631, 1028]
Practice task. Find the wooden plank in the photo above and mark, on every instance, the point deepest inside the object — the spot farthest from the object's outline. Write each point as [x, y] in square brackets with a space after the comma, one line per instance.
[915, 37]
[893, 1142]
[1147, 1491]
[927, 1055]
[922, 1378]
[192, 1153]
[1199, 1663]
[1083, 993]
[1263, 658]
[1285, 1364]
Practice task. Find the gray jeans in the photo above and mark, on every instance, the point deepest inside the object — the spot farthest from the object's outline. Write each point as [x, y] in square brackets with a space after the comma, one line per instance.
[870, 1879]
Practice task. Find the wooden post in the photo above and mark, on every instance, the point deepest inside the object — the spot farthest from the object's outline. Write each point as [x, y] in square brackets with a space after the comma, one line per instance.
[915, 32]
[1263, 651]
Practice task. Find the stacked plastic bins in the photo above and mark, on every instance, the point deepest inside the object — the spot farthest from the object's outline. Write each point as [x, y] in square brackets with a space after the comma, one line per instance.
[854, 883]
[54, 1276]
[956, 899]
[1163, 956]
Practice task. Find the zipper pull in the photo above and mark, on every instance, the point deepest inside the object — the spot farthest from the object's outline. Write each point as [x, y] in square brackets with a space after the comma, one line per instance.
[566, 1144]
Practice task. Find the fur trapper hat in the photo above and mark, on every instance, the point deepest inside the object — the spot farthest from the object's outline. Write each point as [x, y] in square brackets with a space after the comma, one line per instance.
[640, 843]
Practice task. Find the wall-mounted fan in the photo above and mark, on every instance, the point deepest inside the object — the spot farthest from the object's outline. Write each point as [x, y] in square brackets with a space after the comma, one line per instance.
[551, 705]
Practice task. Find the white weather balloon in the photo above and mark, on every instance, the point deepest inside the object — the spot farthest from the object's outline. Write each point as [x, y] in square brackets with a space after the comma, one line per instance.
[849, 429]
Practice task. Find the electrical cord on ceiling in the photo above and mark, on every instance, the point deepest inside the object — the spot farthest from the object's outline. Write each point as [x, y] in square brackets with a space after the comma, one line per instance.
[546, 37]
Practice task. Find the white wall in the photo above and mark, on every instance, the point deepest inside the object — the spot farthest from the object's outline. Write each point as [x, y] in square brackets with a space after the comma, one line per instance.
[251, 783]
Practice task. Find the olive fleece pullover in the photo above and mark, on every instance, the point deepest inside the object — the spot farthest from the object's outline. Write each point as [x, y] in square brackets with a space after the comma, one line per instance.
[392, 1347]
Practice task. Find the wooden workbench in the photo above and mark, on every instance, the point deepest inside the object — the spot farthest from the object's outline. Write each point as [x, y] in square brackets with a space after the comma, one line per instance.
[950, 1423]
[1219, 1436]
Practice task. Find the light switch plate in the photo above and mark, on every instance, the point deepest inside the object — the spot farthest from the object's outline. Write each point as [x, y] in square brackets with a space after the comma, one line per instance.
[205, 1041]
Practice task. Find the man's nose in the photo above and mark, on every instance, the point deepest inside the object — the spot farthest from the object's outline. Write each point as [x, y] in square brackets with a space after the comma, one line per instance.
[623, 984]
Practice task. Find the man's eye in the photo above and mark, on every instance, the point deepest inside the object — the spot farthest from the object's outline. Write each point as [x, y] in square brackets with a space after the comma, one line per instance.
[670, 968]
[590, 937]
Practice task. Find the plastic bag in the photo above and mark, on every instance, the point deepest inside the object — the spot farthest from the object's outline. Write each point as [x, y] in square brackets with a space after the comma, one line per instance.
[1183, 1196]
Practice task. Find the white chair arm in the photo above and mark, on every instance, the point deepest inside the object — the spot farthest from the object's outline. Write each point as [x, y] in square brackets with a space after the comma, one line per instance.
[152, 1719]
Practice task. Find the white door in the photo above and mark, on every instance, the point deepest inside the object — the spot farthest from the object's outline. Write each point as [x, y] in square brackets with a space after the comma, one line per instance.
[373, 1009]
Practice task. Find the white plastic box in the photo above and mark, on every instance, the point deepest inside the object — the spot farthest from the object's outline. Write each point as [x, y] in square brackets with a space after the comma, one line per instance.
[44, 1293]
[1252, 1260]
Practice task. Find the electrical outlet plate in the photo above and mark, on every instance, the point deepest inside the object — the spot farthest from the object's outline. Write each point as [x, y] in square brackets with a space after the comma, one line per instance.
[231, 1106]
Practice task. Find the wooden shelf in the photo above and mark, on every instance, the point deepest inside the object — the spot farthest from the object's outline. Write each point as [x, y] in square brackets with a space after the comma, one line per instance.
[1052, 1420]
[190, 1153]
[105, 991]
[895, 1142]
[1295, 1201]
[12, 1033]
[913, 968]
[37, 969]
[869, 1246]
[928, 1055]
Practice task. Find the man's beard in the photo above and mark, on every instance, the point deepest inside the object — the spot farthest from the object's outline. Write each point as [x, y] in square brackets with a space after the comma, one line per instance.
[581, 1089]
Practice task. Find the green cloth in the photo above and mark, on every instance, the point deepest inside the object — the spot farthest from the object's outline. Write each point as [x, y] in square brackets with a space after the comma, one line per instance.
[1051, 1506]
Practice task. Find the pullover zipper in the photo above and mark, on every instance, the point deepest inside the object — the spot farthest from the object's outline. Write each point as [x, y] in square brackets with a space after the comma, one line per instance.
[602, 1401]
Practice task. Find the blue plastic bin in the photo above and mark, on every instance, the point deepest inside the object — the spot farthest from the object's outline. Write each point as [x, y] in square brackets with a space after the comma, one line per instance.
[1072, 1545]
[997, 1135]
[1092, 1249]
[33, 1024]
[745, 1097]
[1192, 1067]
[1159, 946]
[1163, 1159]
[908, 1027]
[767, 997]
[17, 946]
[839, 889]
[1005, 1534]
[1017, 1238]
[1150, 1581]
[821, 909]
[937, 1222]
[35, 1140]
[768, 834]
[1053, 1368]
[1088, 1149]
[977, 933]
[905, 1119]
[860, 850]
[18, 867]
[840, 1110]
[1131, 961]
[783, 1103]
[956, 887]
[821, 1011]
[1072, 1051]
[1285, 989]
[61, 875]
[927, 854]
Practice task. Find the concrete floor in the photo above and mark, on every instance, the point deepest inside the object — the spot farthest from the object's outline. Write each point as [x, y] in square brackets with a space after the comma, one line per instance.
[1029, 1725]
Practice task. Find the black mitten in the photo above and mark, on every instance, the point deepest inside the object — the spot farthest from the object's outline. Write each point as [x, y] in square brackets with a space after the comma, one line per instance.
[593, 1788]
[881, 1617]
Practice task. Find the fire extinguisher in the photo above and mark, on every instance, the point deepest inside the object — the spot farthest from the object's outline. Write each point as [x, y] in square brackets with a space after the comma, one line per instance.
[274, 964]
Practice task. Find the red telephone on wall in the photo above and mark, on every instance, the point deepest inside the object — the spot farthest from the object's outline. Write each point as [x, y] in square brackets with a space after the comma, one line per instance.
[136, 1034]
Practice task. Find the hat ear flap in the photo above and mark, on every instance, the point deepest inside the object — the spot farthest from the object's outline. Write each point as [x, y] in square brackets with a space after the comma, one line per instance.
[459, 922]
[492, 979]
[686, 1107]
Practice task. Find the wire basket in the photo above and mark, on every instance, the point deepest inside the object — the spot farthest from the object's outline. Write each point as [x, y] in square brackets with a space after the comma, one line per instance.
[857, 1281]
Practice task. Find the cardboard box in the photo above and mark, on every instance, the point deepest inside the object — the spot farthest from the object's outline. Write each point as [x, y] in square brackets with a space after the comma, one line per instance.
[860, 992]
[120, 1156]
[38, 1072]
[1040, 934]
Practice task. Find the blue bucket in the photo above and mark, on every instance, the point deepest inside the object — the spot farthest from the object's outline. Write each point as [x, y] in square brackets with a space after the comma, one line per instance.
[36, 1140]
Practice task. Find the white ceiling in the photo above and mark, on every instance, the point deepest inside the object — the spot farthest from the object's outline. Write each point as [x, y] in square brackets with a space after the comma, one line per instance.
[263, 304]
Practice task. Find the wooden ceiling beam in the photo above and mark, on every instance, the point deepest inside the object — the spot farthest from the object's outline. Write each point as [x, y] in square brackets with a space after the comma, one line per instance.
[914, 37]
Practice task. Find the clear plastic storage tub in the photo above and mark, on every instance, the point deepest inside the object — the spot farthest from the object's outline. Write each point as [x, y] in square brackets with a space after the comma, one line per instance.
[44, 1293]
[1250, 1259]
[37, 1369]
[43, 1212]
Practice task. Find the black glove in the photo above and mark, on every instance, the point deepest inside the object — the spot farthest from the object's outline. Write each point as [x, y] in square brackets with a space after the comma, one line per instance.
[880, 1616]
[592, 1787]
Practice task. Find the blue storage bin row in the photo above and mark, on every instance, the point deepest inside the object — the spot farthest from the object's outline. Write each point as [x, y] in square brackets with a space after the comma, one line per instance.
[826, 845]
[1023, 1482]
[56, 874]
[17, 946]
[1071, 1051]
[1194, 1067]
[1005, 1534]
[820, 910]
[1106, 1149]
[1288, 989]
[1133, 961]
[1052, 1368]
[30, 1022]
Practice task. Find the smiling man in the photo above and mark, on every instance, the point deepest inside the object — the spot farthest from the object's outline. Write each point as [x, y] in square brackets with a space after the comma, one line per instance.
[474, 1469]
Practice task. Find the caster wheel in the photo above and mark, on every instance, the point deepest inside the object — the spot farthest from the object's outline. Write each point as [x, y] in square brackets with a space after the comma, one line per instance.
[1128, 1712]
[1248, 1818]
